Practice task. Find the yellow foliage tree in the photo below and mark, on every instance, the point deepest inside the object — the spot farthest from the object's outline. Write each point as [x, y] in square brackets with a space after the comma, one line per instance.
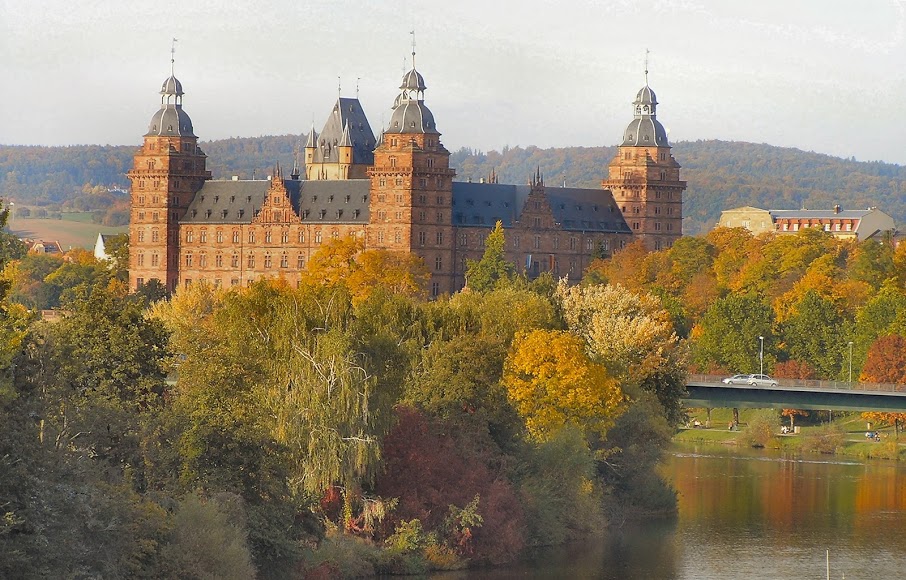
[552, 383]
[344, 261]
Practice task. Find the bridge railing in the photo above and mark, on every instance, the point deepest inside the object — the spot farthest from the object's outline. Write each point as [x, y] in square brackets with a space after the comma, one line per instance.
[812, 384]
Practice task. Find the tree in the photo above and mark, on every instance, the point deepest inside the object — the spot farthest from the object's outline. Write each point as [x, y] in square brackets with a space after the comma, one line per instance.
[630, 334]
[792, 414]
[553, 383]
[816, 332]
[894, 419]
[886, 361]
[727, 334]
[484, 274]
[117, 247]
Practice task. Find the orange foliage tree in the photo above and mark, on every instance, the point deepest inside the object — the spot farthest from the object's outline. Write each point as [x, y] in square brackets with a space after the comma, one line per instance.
[886, 361]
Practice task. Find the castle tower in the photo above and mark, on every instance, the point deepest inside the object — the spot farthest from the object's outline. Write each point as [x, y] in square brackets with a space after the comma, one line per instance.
[644, 177]
[412, 186]
[166, 173]
[344, 148]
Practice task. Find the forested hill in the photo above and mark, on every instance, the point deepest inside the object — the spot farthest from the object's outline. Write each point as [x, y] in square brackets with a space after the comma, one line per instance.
[720, 174]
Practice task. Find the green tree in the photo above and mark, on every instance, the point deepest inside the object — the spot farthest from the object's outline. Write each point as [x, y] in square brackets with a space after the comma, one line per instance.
[816, 332]
[484, 274]
[727, 336]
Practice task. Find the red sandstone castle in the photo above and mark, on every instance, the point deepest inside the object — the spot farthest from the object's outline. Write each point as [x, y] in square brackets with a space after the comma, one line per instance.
[394, 193]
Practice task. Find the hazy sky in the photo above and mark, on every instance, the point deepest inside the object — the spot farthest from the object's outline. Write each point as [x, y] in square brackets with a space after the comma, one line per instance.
[822, 75]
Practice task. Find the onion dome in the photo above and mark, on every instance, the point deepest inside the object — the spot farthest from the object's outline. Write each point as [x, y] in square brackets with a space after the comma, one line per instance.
[171, 120]
[645, 130]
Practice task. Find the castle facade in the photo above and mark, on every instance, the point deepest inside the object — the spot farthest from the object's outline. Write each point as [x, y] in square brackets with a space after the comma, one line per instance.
[396, 193]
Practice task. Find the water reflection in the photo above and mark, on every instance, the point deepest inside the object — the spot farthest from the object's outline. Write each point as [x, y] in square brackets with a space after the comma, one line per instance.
[749, 515]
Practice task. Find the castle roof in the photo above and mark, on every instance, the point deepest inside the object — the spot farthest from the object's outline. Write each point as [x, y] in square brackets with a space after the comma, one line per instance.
[645, 130]
[171, 119]
[346, 113]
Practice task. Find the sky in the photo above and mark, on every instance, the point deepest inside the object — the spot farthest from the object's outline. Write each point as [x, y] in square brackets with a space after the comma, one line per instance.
[819, 75]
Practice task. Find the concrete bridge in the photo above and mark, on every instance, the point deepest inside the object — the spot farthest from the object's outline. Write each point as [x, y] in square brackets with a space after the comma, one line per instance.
[710, 392]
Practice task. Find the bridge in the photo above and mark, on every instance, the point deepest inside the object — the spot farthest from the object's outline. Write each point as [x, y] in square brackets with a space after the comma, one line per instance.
[709, 391]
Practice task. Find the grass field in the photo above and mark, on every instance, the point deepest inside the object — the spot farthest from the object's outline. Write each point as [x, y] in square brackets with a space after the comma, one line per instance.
[75, 230]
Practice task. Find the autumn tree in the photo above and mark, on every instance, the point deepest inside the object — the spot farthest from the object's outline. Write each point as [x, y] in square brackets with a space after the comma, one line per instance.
[632, 335]
[552, 383]
[897, 420]
[886, 361]
[792, 414]
[484, 274]
[727, 334]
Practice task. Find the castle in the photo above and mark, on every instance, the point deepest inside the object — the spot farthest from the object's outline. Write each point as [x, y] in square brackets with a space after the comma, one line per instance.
[396, 193]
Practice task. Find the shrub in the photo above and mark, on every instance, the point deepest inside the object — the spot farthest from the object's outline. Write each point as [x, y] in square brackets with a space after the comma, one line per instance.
[825, 439]
[761, 428]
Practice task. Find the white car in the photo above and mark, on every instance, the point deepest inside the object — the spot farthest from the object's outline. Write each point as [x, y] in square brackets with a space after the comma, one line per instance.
[753, 380]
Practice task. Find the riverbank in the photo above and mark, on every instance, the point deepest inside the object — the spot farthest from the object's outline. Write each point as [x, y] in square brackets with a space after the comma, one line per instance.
[851, 429]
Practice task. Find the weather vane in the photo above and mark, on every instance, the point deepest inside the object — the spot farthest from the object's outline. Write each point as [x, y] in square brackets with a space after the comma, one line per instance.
[412, 32]
[646, 66]
[172, 54]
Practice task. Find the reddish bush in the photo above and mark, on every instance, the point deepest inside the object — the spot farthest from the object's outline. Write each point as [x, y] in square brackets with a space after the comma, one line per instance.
[429, 469]
[795, 369]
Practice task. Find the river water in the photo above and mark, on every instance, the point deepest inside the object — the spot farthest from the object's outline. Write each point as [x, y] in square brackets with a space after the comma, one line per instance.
[749, 514]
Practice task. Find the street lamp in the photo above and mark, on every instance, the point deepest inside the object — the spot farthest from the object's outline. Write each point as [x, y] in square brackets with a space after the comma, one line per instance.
[850, 363]
[761, 355]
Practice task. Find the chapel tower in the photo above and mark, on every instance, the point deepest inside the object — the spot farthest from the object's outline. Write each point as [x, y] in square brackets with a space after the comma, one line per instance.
[644, 177]
[166, 173]
[412, 186]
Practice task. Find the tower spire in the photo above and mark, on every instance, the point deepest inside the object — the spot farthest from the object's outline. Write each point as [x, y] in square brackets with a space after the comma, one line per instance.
[172, 55]
[412, 32]
[339, 88]
[646, 66]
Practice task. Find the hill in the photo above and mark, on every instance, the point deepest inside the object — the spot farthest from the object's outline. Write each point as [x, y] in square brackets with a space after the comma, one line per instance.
[720, 174]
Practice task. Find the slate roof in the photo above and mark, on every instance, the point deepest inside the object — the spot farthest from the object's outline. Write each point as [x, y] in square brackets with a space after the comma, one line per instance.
[346, 113]
[171, 120]
[237, 202]
[483, 204]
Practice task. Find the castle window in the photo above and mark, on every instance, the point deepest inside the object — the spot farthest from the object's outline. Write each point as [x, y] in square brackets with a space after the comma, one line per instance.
[382, 183]
[397, 236]
[219, 236]
[251, 237]
[141, 200]
[393, 162]
[381, 197]
[355, 214]
[155, 236]
[669, 227]
[322, 213]
[318, 237]
[423, 182]
[203, 236]
[155, 217]
[657, 209]
[301, 236]
[141, 234]
[605, 245]
[440, 238]
[189, 260]
[669, 211]
[141, 259]
[516, 242]
[190, 236]
[422, 198]
[421, 216]
[393, 142]
[141, 216]
[556, 242]
[267, 237]
[536, 243]
[421, 238]
[438, 264]
[435, 289]
[440, 217]
[235, 236]
[657, 244]
[663, 156]
[573, 243]
[380, 237]
[267, 260]
[399, 181]
[635, 225]
[202, 260]
[399, 198]
[155, 259]
[589, 244]
[398, 215]
[463, 239]
[536, 222]
[663, 176]
[300, 261]
[234, 261]
[335, 234]
[251, 261]
[284, 237]
[218, 260]
[430, 162]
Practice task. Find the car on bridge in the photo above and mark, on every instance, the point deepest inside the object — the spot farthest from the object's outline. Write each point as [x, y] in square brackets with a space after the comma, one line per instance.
[753, 380]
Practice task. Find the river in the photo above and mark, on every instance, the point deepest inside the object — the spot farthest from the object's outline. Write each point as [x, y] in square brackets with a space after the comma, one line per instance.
[749, 514]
